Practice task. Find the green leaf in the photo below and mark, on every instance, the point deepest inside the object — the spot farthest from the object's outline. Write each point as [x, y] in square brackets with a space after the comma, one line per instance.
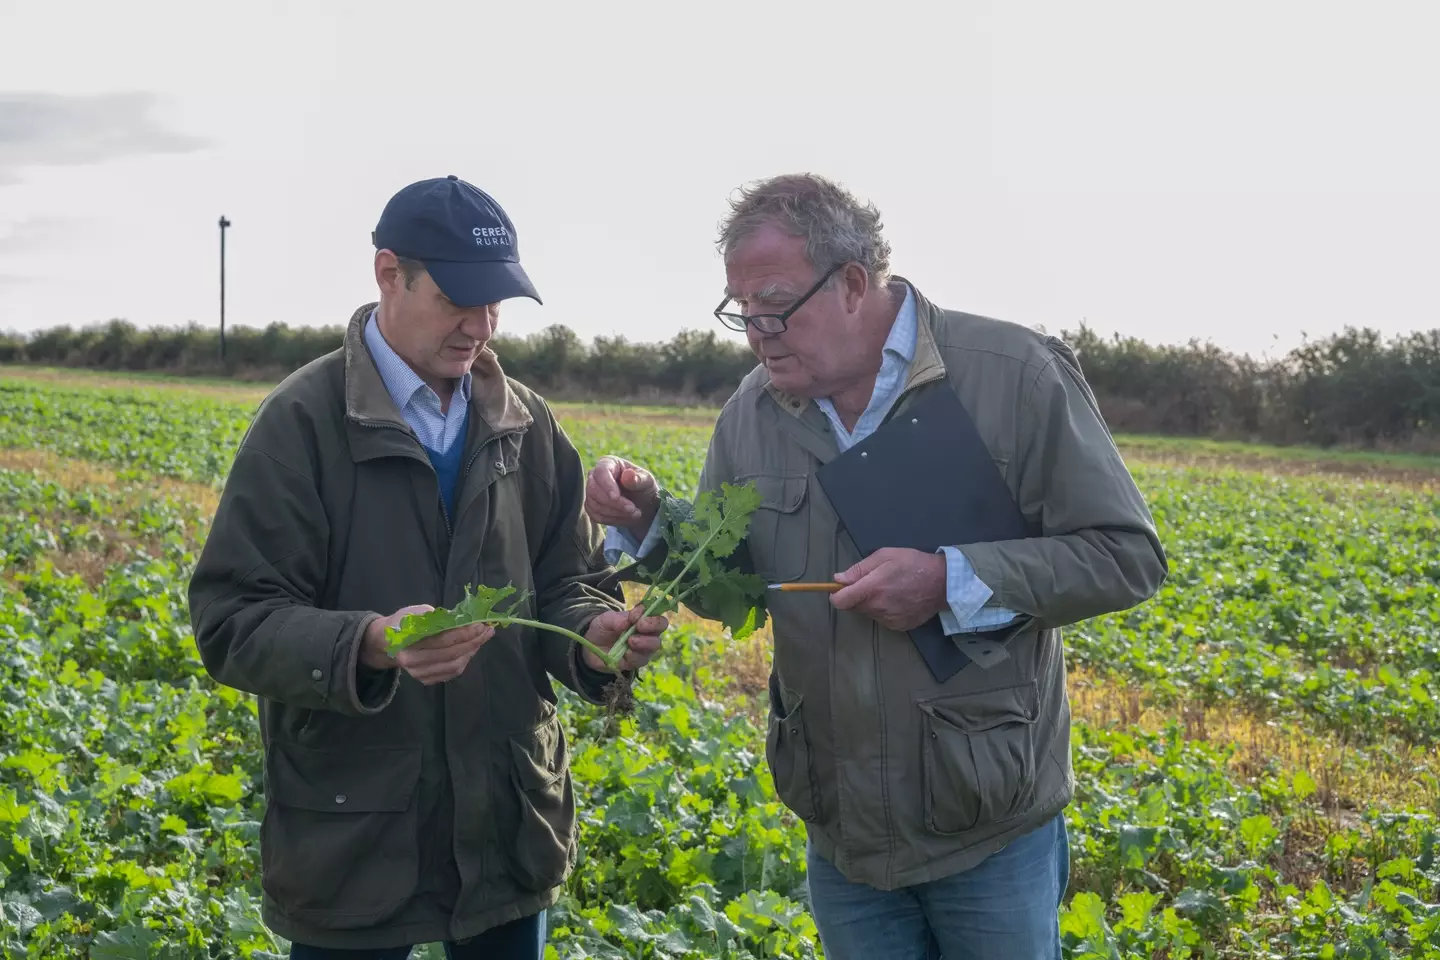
[22, 916]
[202, 785]
[1085, 917]
[1196, 903]
[1258, 832]
[701, 913]
[699, 537]
[1137, 844]
[1320, 896]
[56, 901]
[477, 607]
[11, 809]
[1135, 909]
[1396, 868]
[127, 943]
[740, 503]
[44, 767]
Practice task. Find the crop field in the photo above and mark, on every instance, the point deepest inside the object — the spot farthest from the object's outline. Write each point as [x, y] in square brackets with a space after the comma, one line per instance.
[1255, 749]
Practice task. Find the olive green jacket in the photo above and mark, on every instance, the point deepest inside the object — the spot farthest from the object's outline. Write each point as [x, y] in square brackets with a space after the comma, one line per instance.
[398, 813]
[901, 779]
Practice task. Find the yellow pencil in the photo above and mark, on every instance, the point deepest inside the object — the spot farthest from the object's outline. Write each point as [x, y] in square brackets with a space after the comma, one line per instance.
[806, 587]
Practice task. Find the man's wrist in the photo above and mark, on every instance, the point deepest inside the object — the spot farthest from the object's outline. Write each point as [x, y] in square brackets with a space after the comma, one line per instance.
[582, 653]
[590, 681]
[371, 639]
[590, 670]
[937, 581]
[372, 687]
[641, 529]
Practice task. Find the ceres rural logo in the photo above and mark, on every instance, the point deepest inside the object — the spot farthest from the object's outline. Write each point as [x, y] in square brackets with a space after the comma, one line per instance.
[491, 237]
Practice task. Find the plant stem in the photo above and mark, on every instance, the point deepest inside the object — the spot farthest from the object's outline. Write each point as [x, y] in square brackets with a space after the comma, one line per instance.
[603, 655]
[617, 652]
[681, 598]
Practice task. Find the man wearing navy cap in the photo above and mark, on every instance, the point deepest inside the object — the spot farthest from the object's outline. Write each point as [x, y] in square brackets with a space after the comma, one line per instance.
[425, 798]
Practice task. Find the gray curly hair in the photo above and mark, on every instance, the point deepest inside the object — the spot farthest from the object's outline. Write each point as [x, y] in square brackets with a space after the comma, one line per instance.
[836, 226]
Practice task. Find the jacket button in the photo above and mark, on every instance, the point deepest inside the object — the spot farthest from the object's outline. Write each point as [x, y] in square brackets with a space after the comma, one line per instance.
[339, 798]
[316, 675]
[500, 465]
[795, 731]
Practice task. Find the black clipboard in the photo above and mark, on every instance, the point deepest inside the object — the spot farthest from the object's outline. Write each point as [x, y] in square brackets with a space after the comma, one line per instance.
[924, 479]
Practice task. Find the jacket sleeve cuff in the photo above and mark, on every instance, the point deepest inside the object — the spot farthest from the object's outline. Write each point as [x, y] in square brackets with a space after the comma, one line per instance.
[589, 681]
[368, 691]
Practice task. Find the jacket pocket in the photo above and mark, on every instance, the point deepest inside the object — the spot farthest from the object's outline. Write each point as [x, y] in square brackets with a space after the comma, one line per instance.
[779, 535]
[541, 845]
[788, 753]
[979, 756]
[338, 839]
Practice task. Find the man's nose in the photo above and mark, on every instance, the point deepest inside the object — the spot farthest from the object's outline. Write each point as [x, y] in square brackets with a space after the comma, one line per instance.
[758, 337]
[479, 324]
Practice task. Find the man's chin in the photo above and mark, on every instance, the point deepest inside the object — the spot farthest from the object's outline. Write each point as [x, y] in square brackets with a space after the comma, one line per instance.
[455, 366]
[794, 382]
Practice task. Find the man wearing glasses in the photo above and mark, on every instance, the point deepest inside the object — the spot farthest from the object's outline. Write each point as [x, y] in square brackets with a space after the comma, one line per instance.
[933, 809]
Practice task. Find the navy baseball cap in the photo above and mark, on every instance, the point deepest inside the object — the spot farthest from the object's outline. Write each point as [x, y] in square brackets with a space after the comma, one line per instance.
[459, 232]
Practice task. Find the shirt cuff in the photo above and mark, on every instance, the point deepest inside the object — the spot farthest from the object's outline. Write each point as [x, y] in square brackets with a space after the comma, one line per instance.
[620, 541]
[967, 595]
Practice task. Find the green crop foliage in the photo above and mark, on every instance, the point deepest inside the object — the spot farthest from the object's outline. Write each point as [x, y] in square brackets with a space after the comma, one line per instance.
[131, 789]
[1305, 598]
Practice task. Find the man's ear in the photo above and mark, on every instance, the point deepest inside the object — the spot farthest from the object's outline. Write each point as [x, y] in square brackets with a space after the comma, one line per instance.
[388, 275]
[854, 284]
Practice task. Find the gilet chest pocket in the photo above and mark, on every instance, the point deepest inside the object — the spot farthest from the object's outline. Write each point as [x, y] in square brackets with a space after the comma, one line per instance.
[779, 537]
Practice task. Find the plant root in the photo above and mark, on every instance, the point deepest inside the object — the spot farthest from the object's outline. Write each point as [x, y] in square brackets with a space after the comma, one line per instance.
[619, 696]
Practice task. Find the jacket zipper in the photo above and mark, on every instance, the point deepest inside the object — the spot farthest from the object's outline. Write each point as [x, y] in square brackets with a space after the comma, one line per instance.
[444, 514]
[439, 707]
[445, 563]
[449, 531]
[466, 474]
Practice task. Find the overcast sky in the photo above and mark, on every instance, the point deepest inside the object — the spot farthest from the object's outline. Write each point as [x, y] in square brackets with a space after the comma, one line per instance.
[1243, 172]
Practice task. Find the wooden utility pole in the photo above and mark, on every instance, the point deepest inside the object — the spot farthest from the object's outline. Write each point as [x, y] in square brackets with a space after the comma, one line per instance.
[223, 224]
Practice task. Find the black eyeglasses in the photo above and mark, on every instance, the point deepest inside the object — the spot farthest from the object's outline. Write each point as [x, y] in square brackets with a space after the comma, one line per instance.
[771, 323]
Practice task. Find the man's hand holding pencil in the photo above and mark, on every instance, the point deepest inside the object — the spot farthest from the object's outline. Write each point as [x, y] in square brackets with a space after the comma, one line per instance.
[898, 587]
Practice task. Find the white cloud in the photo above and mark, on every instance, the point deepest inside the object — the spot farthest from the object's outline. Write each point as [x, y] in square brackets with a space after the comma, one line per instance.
[51, 129]
[37, 234]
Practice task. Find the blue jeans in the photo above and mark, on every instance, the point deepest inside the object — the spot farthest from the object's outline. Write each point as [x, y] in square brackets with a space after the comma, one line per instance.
[522, 939]
[1006, 907]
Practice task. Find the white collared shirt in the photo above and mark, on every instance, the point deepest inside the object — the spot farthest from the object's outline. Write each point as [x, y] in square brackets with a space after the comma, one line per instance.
[436, 429]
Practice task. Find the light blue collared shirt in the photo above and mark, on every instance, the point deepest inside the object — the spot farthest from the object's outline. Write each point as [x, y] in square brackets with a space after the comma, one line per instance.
[420, 406]
[965, 593]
